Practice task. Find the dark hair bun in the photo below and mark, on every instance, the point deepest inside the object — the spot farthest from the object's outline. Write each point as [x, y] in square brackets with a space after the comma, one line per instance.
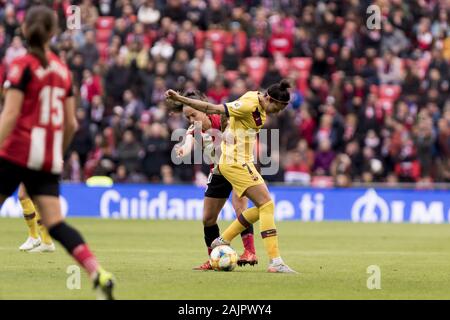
[284, 85]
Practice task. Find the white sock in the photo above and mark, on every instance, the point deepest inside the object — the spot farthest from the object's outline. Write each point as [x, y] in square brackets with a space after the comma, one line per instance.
[277, 261]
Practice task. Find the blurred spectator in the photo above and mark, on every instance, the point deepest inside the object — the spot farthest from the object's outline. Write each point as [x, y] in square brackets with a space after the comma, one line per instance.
[299, 168]
[90, 87]
[129, 152]
[89, 13]
[116, 80]
[205, 64]
[15, 50]
[72, 169]
[157, 150]
[148, 14]
[323, 158]
[390, 69]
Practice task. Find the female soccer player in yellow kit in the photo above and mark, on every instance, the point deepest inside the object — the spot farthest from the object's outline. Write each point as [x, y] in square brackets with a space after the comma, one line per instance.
[247, 116]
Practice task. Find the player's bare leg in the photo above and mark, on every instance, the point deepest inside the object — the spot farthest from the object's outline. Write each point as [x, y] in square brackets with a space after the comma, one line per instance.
[211, 209]
[248, 240]
[71, 240]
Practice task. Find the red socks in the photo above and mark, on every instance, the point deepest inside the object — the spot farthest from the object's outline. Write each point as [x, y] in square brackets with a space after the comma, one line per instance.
[249, 242]
[85, 258]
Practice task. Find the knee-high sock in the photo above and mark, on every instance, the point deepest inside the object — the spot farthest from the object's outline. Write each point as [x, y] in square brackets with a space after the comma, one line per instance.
[29, 213]
[242, 222]
[268, 229]
[211, 233]
[72, 241]
[45, 236]
[248, 240]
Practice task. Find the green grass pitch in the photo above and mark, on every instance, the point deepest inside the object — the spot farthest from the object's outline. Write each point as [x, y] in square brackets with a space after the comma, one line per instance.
[153, 260]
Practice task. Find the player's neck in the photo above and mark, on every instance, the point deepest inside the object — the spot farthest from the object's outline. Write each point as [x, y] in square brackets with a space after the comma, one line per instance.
[261, 100]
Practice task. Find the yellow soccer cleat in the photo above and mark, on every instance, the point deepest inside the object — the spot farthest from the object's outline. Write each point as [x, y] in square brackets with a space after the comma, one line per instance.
[104, 285]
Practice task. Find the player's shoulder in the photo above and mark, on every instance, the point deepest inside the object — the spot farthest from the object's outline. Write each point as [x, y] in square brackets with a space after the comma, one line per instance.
[250, 95]
[22, 61]
[52, 57]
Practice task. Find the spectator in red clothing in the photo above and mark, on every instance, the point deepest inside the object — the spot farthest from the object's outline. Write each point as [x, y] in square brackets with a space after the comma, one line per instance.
[298, 169]
[90, 87]
[424, 37]
[307, 125]
[95, 155]
[218, 93]
[280, 42]
[257, 44]
[139, 35]
[408, 167]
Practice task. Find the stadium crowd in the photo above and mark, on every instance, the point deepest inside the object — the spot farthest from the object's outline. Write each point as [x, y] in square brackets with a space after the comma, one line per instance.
[369, 103]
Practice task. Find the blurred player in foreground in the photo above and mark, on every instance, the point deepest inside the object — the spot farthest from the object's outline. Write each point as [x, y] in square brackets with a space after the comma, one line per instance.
[247, 116]
[218, 188]
[37, 123]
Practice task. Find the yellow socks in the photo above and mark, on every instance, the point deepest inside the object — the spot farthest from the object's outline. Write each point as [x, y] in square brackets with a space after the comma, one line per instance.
[33, 220]
[45, 236]
[248, 217]
[29, 213]
[266, 216]
[268, 229]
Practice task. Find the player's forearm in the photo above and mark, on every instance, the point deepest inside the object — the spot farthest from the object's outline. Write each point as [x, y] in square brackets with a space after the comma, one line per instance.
[69, 133]
[10, 113]
[203, 106]
[7, 123]
[186, 148]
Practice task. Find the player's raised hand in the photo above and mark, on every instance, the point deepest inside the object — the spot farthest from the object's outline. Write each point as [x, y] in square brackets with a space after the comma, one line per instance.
[172, 95]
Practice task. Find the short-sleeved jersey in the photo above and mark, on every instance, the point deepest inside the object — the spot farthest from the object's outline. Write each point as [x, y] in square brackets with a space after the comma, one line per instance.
[247, 117]
[208, 140]
[37, 139]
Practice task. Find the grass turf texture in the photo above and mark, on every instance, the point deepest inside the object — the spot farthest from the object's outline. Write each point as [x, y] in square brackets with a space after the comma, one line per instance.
[153, 260]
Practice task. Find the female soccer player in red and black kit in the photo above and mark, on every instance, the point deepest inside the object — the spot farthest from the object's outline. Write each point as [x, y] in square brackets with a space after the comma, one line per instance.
[36, 125]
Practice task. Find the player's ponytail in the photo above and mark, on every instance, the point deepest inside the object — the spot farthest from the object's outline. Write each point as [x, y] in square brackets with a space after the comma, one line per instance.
[39, 24]
[279, 91]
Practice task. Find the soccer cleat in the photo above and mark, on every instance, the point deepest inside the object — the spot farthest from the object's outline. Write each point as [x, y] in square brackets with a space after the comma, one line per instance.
[247, 258]
[43, 247]
[30, 243]
[219, 242]
[204, 267]
[104, 285]
[280, 268]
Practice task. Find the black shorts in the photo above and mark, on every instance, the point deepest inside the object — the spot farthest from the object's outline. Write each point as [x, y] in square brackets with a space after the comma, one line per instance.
[37, 183]
[218, 187]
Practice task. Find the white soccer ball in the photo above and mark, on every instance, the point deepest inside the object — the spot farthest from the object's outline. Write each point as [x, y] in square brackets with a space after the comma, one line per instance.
[223, 258]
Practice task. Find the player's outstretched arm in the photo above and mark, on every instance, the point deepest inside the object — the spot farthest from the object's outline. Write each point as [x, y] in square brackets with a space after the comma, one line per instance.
[203, 106]
[11, 111]
[70, 122]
